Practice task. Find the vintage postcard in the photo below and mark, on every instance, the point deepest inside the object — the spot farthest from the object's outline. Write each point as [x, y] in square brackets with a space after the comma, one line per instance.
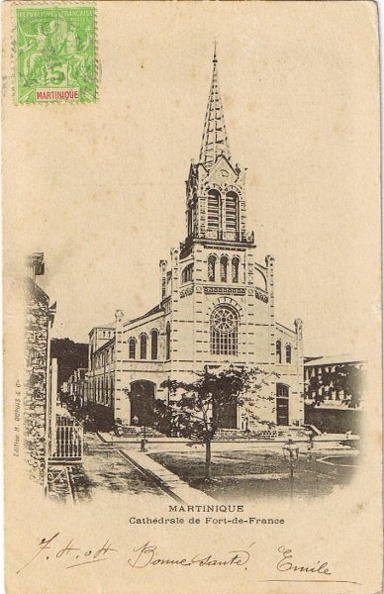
[192, 285]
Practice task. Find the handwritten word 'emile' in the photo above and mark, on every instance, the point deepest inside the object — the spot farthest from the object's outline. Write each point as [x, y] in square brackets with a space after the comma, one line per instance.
[286, 563]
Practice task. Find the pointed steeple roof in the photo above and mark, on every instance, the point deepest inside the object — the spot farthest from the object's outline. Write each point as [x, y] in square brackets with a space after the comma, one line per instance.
[215, 140]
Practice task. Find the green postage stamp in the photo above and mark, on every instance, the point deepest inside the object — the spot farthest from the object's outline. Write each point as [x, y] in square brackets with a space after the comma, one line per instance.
[56, 54]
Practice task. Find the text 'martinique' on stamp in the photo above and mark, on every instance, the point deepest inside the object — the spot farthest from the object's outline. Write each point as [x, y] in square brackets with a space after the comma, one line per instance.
[56, 54]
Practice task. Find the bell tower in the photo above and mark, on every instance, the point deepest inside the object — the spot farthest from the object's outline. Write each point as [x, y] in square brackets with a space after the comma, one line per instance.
[215, 189]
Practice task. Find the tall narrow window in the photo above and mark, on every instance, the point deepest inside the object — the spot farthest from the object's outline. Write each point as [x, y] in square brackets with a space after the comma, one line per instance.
[224, 331]
[278, 351]
[154, 343]
[187, 274]
[168, 341]
[223, 269]
[235, 270]
[231, 211]
[106, 390]
[132, 348]
[213, 209]
[288, 353]
[282, 404]
[212, 268]
[143, 346]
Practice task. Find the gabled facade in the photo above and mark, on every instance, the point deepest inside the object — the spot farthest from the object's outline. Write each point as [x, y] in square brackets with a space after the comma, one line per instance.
[216, 304]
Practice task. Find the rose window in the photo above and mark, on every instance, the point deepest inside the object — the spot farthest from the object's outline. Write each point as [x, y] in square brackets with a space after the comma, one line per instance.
[224, 320]
[224, 331]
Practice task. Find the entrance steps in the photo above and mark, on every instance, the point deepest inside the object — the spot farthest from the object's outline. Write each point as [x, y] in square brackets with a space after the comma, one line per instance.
[130, 431]
[261, 434]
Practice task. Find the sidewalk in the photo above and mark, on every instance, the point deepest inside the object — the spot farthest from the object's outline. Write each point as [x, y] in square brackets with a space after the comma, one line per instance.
[322, 441]
[115, 440]
[169, 482]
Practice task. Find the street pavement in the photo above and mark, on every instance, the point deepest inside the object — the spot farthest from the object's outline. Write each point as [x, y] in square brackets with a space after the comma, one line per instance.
[105, 469]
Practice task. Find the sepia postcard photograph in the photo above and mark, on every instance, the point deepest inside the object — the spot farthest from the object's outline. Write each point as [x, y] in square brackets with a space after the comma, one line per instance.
[192, 297]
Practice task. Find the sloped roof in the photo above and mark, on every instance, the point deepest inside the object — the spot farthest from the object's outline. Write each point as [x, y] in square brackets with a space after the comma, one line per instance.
[332, 359]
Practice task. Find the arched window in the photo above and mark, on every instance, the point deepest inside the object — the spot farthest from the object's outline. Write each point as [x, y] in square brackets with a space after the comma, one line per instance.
[143, 346]
[231, 201]
[282, 404]
[235, 270]
[102, 391]
[168, 341]
[212, 268]
[213, 209]
[224, 331]
[132, 348]
[187, 274]
[288, 353]
[154, 343]
[278, 351]
[223, 269]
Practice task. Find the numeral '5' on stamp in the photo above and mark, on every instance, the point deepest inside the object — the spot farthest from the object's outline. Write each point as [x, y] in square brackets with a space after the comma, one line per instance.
[56, 54]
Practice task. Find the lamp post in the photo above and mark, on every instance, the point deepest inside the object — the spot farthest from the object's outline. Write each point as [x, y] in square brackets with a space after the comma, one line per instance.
[291, 450]
[143, 441]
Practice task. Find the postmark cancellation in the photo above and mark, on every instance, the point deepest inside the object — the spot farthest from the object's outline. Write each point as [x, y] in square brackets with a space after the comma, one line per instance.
[56, 57]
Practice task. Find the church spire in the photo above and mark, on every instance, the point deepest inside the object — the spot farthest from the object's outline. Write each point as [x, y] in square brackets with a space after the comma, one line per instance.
[215, 141]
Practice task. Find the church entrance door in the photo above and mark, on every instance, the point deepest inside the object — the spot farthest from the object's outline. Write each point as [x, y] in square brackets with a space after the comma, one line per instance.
[282, 404]
[227, 416]
[142, 403]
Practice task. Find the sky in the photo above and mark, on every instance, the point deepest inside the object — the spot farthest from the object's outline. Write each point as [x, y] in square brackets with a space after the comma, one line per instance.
[100, 188]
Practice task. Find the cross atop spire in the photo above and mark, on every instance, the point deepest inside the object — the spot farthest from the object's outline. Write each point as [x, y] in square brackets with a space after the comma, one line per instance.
[215, 140]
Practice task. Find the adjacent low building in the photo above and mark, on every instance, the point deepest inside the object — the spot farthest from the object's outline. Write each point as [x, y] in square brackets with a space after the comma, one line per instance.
[334, 390]
[77, 386]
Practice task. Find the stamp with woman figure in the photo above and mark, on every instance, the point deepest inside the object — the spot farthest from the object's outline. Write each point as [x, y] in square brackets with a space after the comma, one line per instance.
[56, 53]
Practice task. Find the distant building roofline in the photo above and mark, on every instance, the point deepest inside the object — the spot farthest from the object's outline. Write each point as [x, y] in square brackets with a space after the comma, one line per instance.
[333, 359]
[110, 326]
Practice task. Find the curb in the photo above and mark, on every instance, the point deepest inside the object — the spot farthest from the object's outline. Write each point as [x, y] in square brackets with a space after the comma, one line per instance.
[170, 490]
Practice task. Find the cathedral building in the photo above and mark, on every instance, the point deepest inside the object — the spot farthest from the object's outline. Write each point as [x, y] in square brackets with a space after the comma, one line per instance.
[215, 308]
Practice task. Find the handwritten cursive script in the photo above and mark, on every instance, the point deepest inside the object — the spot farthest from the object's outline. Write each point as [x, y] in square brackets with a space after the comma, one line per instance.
[70, 553]
[72, 556]
[286, 563]
[147, 555]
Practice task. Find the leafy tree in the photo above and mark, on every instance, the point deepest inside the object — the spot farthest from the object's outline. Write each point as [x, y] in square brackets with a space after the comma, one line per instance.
[195, 407]
[70, 355]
